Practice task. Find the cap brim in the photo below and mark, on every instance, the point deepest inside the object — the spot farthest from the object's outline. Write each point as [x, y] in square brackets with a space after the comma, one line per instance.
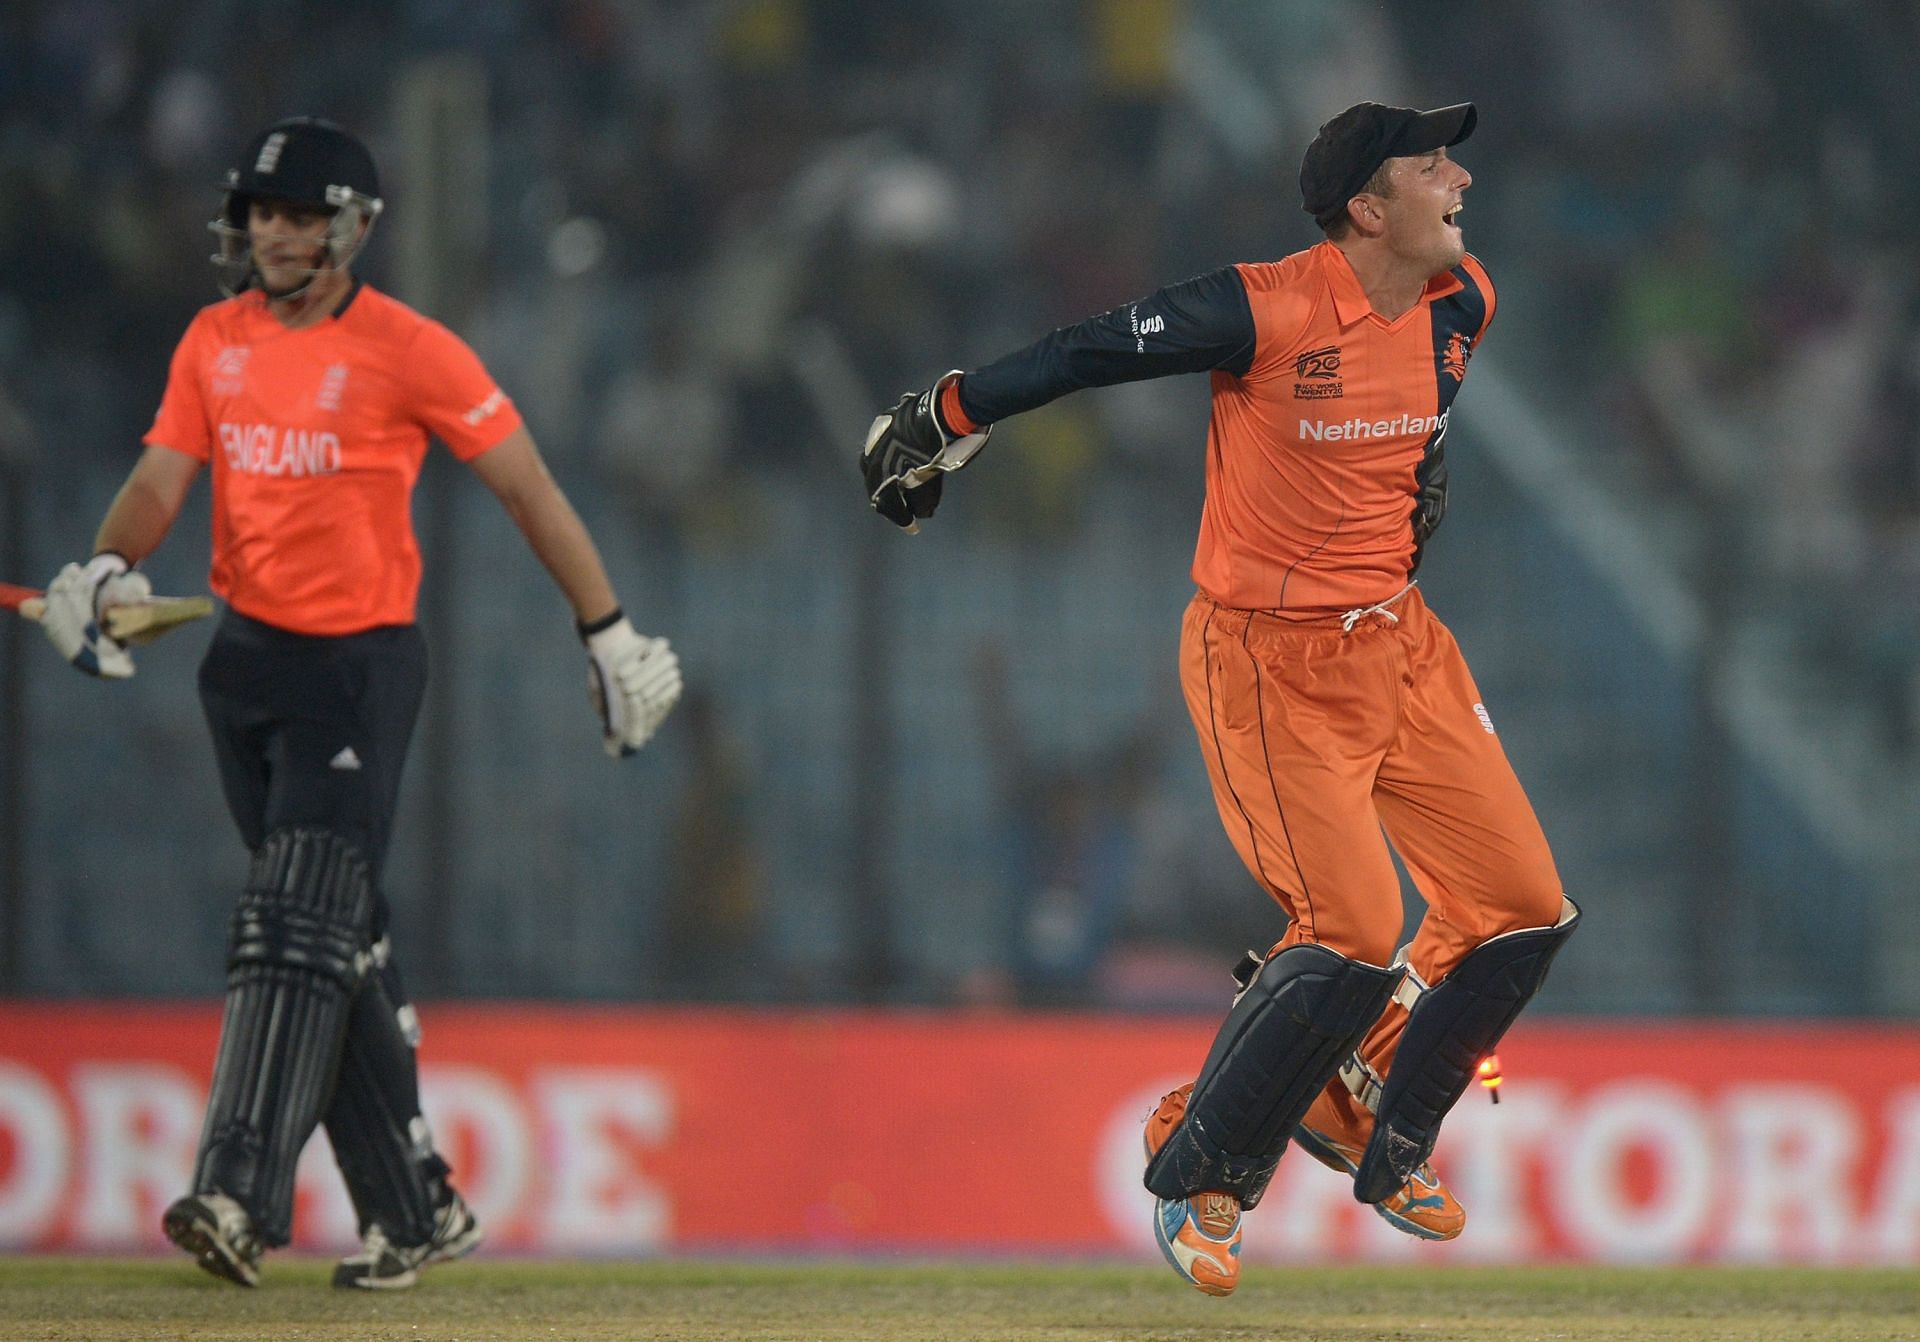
[1441, 127]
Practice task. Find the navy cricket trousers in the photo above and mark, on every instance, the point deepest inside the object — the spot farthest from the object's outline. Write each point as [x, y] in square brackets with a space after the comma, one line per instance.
[313, 730]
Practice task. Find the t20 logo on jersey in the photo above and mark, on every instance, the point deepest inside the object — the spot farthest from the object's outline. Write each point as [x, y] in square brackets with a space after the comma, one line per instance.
[1319, 373]
[1323, 362]
[228, 371]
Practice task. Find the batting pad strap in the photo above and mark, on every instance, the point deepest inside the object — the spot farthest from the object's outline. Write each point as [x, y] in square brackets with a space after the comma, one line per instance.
[1246, 972]
[1361, 1078]
[1411, 984]
[1360, 1075]
[1304, 1010]
[1450, 1029]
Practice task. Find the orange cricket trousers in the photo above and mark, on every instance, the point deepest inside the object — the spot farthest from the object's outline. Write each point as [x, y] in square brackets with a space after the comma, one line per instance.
[1318, 737]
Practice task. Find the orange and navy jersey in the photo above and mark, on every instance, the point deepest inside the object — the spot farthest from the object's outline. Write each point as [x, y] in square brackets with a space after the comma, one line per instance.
[315, 438]
[1325, 466]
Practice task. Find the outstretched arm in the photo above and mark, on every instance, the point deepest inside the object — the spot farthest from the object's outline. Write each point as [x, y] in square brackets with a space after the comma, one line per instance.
[1194, 326]
[633, 681]
[1191, 327]
[515, 472]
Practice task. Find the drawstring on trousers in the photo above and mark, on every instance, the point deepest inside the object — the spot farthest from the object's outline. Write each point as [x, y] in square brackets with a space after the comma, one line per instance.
[1359, 613]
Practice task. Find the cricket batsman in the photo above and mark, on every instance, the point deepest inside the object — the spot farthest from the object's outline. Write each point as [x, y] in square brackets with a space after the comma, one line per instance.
[310, 397]
[1330, 702]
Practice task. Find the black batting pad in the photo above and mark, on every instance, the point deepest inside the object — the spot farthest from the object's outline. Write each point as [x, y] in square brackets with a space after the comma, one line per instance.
[374, 1124]
[1303, 1012]
[298, 949]
[1451, 1028]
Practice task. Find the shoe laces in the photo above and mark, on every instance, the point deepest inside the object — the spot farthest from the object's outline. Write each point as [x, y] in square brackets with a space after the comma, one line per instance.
[374, 1244]
[1217, 1213]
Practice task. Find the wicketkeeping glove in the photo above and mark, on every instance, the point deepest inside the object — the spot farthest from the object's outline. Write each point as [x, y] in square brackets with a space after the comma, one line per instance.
[909, 452]
[75, 599]
[632, 681]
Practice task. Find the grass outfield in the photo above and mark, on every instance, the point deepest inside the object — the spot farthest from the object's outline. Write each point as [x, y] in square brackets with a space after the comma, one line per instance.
[103, 1300]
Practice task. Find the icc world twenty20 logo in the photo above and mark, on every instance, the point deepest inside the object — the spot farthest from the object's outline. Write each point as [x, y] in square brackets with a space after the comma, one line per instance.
[1319, 374]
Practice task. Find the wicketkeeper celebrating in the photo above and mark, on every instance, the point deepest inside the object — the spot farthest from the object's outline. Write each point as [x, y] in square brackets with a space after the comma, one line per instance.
[1329, 700]
[312, 397]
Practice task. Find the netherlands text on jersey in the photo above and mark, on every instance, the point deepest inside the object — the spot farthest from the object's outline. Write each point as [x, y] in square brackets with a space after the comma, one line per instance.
[1322, 432]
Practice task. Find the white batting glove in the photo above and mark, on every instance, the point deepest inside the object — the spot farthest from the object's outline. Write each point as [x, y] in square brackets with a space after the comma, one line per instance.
[75, 599]
[632, 681]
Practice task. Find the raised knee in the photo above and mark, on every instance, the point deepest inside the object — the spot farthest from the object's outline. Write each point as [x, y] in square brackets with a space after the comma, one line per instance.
[1540, 908]
[1365, 928]
[1375, 948]
[1527, 895]
[1540, 905]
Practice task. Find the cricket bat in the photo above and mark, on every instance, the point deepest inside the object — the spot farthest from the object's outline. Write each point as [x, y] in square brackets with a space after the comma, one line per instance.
[132, 624]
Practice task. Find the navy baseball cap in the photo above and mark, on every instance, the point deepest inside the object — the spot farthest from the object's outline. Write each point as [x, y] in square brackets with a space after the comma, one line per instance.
[1352, 146]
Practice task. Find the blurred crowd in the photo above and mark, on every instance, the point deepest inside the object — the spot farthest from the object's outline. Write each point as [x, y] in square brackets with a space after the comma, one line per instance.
[715, 229]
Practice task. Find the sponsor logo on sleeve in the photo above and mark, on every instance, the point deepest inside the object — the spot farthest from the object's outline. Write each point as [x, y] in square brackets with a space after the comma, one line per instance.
[1319, 374]
[487, 409]
[1143, 327]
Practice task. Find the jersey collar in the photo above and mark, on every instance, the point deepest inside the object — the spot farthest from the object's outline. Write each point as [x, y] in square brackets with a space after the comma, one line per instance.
[1350, 300]
[353, 292]
[256, 300]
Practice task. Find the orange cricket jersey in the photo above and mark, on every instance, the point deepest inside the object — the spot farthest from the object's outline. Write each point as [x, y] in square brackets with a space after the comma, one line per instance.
[315, 439]
[1314, 454]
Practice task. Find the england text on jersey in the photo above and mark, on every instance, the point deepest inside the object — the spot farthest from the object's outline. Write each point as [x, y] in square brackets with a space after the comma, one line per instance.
[273, 449]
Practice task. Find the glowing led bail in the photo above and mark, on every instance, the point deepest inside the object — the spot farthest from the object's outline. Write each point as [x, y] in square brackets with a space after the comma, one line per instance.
[1489, 1073]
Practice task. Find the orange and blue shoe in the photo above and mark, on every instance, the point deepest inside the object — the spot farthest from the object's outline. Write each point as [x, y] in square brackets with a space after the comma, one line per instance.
[1199, 1234]
[1335, 1132]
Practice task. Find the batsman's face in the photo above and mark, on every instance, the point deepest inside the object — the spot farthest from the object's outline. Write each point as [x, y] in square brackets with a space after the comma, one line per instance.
[1423, 213]
[288, 242]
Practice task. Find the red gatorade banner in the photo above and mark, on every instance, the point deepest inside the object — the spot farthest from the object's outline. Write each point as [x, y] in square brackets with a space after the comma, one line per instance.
[646, 1132]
